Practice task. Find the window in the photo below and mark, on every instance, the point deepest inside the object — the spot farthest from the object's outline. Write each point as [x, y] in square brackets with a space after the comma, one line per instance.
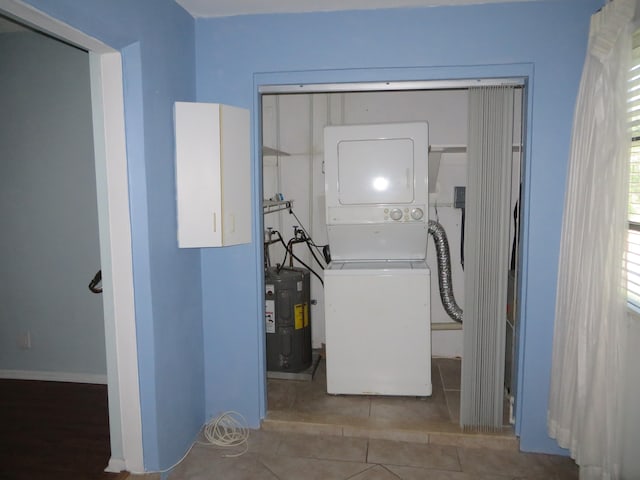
[633, 239]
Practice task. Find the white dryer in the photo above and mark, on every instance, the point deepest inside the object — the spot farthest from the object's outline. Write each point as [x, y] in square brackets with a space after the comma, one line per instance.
[377, 287]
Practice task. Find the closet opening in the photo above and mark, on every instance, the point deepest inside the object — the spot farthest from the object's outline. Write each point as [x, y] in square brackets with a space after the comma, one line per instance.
[298, 205]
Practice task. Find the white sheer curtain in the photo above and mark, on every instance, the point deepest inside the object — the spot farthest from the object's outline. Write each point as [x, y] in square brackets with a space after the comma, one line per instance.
[586, 392]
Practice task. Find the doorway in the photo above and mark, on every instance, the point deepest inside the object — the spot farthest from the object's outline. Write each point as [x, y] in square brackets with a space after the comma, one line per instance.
[114, 232]
[292, 153]
[53, 326]
[52, 323]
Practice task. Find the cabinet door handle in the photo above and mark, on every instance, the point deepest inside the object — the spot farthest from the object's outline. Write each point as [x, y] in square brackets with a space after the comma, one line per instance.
[214, 222]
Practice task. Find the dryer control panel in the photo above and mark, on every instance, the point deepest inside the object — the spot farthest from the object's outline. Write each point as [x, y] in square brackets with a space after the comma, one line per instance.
[377, 214]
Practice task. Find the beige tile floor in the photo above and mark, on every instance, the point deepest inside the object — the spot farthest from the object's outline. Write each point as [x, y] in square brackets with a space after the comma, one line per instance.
[305, 407]
[311, 435]
[291, 456]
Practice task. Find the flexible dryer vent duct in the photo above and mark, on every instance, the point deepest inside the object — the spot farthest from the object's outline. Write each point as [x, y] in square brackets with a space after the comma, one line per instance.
[444, 271]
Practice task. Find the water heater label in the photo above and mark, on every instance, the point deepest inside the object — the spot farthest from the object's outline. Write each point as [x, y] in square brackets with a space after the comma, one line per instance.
[299, 285]
[270, 316]
[299, 314]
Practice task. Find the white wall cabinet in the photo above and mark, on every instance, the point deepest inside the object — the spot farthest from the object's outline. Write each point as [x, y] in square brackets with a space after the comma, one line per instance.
[213, 179]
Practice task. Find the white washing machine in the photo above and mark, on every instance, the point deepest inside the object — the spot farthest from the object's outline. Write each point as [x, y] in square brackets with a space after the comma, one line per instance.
[378, 336]
[377, 287]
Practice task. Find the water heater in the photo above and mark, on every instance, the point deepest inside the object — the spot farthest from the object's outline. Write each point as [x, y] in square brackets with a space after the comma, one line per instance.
[287, 321]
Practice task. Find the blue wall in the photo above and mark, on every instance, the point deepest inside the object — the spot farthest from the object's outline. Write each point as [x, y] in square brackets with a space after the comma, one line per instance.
[157, 41]
[543, 41]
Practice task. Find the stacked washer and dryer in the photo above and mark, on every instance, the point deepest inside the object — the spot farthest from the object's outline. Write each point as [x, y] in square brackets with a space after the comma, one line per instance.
[377, 285]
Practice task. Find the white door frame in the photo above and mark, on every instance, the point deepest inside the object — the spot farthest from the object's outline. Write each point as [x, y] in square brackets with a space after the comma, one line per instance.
[114, 222]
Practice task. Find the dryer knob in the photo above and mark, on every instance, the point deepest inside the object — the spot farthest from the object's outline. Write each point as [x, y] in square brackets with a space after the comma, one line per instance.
[396, 214]
[417, 213]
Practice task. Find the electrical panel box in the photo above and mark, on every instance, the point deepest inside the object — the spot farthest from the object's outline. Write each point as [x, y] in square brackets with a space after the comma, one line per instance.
[459, 194]
[213, 179]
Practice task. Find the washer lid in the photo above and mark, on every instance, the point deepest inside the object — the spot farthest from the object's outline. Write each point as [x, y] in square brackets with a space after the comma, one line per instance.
[381, 265]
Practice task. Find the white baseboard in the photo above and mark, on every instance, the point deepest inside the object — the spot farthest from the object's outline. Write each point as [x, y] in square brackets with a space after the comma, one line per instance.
[54, 376]
[116, 465]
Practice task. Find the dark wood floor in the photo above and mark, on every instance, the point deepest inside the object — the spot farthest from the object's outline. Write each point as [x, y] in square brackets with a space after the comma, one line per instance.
[54, 430]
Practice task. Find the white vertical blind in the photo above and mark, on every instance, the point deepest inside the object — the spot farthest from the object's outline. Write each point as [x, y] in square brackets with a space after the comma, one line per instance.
[487, 247]
[633, 238]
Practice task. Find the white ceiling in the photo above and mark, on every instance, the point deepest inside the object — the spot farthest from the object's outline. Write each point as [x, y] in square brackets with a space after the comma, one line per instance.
[226, 8]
